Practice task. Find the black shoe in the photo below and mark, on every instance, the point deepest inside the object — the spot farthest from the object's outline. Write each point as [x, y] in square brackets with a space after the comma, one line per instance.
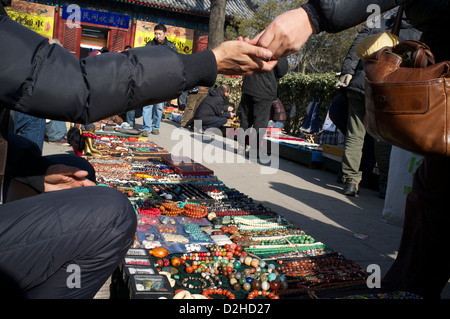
[351, 187]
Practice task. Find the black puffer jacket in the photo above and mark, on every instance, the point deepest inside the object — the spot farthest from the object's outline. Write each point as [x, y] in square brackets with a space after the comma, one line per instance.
[166, 42]
[48, 81]
[265, 85]
[430, 17]
[212, 105]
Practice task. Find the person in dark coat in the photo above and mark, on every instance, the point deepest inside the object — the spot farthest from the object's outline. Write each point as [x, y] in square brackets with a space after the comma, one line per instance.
[352, 80]
[60, 235]
[212, 111]
[152, 114]
[258, 93]
[426, 219]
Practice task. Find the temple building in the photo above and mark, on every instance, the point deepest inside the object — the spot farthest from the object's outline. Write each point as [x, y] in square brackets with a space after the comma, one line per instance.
[83, 26]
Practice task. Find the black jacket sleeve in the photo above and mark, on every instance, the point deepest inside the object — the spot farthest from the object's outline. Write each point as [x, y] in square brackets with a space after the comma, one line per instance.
[218, 106]
[48, 81]
[281, 68]
[334, 16]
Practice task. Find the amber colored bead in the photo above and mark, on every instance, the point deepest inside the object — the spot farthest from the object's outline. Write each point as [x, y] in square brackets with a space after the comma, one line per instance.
[256, 284]
[275, 285]
[237, 286]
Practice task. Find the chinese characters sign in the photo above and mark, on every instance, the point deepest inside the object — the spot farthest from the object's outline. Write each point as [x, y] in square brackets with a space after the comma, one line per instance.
[37, 17]
[100, 17]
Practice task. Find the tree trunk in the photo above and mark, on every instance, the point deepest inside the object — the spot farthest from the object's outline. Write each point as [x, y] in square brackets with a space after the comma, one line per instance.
[216, 23]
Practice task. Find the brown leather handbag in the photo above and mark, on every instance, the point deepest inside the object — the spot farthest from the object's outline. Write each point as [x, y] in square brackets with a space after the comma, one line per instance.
[407, 98]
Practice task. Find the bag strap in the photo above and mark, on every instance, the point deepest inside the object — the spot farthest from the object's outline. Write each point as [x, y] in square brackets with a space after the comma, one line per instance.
[398, 21]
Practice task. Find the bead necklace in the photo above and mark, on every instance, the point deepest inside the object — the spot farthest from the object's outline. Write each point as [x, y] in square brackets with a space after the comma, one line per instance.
[270, 232]
[393, 295]
[328, 290]
[327, 287]
[324, 266]
[148, 211]
[170, 208]
[284, 249]
[195, 211]
[322, 283]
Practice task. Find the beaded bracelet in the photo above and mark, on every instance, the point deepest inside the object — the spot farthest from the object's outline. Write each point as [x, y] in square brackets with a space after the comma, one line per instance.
[191, 286]
[263, 293]
[218, 291]
[208, 276]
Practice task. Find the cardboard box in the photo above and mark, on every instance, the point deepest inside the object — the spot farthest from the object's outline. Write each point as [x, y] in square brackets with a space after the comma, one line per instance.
[333, 152]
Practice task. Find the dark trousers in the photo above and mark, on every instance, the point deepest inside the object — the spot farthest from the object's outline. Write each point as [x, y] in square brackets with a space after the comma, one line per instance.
[215, 122]
[254, 112]
[64, 244]
[422, 265]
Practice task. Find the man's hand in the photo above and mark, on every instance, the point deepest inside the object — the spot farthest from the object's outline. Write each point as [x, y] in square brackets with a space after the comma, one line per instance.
[241, 58]
[286, 34]
[59, 177]
[230, 109]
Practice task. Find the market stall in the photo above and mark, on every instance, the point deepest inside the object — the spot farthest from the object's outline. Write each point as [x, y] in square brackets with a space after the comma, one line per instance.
[197, 238]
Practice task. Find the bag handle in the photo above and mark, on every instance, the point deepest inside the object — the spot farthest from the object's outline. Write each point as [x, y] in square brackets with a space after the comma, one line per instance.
[398, 21]
[421, 53]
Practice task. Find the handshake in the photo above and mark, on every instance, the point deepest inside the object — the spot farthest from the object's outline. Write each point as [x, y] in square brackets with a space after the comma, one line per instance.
[285, 35]
[239, 57]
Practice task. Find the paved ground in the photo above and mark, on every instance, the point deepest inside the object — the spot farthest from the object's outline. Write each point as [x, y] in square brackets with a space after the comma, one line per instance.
[310, 198]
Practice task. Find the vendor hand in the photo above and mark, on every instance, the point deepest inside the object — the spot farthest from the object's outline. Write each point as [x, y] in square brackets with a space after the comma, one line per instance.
[232, 115]
[230, 109]
[241, 58]
[286, 34]
[344, 80]
[59, 177]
